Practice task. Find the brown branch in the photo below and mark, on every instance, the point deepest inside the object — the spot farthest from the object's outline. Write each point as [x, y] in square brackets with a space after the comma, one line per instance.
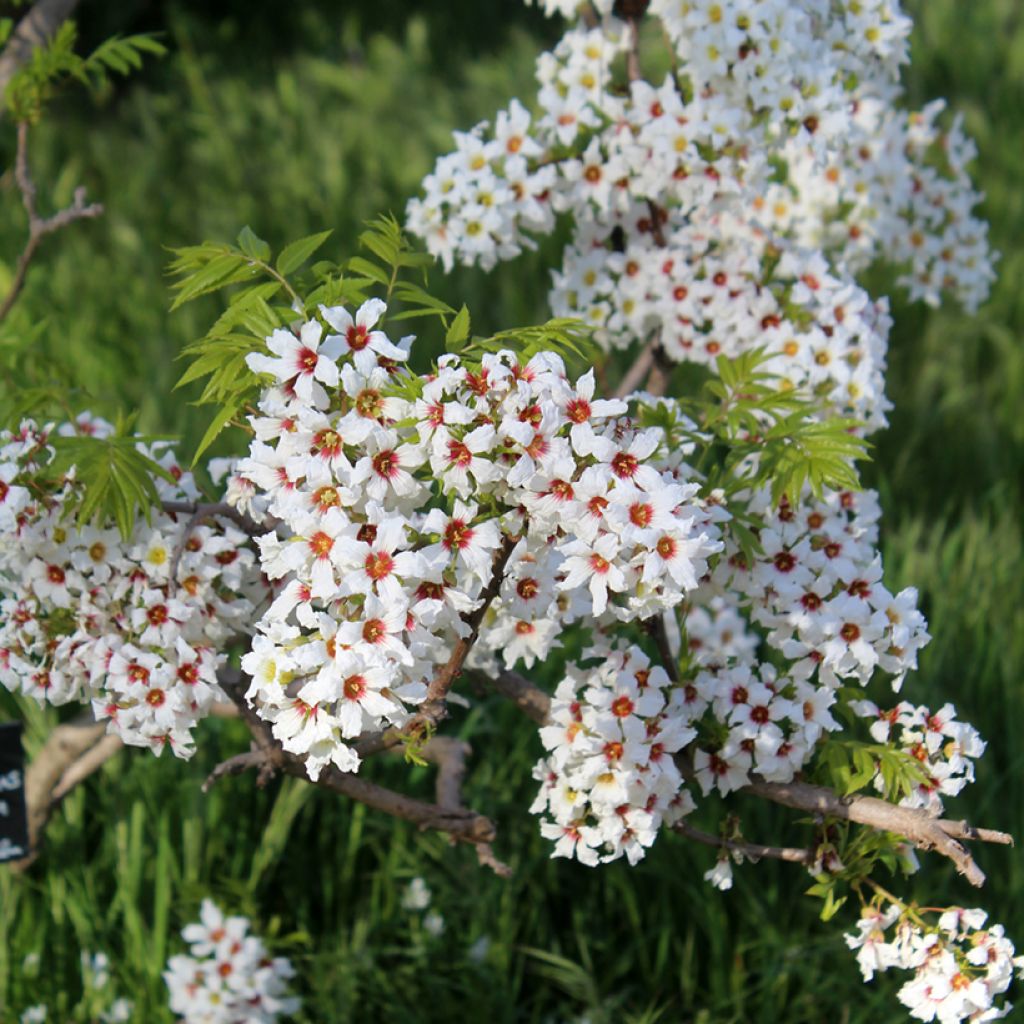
[655, 626]
[755, 851]
[923, 830]
[450, 757]
[92, 760]
[447, 815]
[201, 510]
[640, 368]
[179, 548]
[38, 227]
[434, 709]
[255, 758]
[449, 754]
[633, 71]
[36, 29]
[529, 698]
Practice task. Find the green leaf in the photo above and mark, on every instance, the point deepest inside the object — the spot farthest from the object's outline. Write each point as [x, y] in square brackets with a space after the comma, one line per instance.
[219, 422]
[252, 245]
[294, 255]
[364, 267]
[458, 331]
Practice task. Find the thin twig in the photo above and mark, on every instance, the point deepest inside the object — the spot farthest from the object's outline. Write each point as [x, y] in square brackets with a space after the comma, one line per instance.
[38, 227]
[179, 548]
[639, 370]
[633, 71]
[92, 760]
[434, 708]
[200, 510]
[534, 702]
[655, 625]
[755, 851]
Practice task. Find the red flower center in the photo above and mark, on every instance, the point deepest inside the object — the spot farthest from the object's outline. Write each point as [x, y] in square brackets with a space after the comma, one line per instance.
[379, 565]
[358, 337]
[624, 465]
[641, 514]
[374, 631]
[578, 411]
[320, 544]
[354, 687]
[459, 455]
[622, 707]
[158, 615]
[457, 535]
[386, 464]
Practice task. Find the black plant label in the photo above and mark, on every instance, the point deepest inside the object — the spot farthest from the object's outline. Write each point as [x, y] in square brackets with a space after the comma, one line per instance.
[13, 819]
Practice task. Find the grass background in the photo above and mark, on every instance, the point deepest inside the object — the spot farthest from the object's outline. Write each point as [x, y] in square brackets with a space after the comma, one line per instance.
[297, 117]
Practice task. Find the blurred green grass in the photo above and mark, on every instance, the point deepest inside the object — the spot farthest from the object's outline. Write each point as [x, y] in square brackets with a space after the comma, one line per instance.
[295, 123]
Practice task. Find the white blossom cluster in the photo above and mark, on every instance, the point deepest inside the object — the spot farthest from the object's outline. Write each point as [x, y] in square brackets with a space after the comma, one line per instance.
[945, 748]
[729, 207]
[959, 965]
[230, 977]
[817, 591]
[398, 513]
[90, 616]
[609, 780]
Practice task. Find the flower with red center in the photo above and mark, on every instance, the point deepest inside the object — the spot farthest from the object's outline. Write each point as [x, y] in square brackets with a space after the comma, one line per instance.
[137, 673]
[301, 363]
[354, 687]
[369, 404]
[784, 561]
[578, 410]
[374, 631]
[641, 514]
[622, 707]
[379, 565]
[157, 614]
[624, 465]
[357, 336]
[459, 454]
[189, 673]
[613, 751]
[457, 535]
[321, 544]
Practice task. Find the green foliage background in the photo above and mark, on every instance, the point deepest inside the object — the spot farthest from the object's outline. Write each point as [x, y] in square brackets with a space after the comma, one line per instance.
[298, 117]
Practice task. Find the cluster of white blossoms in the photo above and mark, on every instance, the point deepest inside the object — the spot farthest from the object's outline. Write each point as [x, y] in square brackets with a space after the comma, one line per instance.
[959, 965]
[729, 207]
[816, 589]
[397, 517]
[133, 625]
[610, 780]
[944, 748]
[229, 978]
